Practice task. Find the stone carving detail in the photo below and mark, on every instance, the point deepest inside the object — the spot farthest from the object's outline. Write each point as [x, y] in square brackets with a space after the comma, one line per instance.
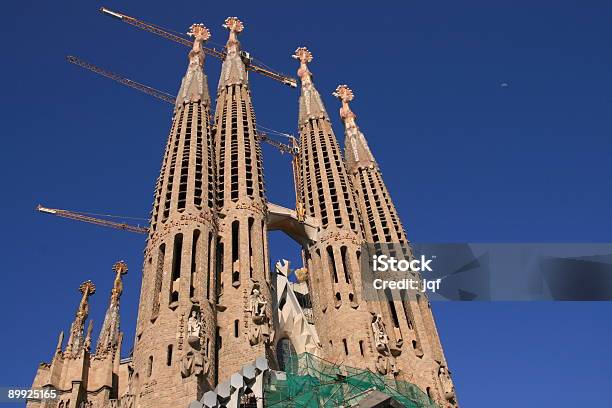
[385, 361]
[108, 340]
[233, 70]
[447, 385]
[256, 310]
[76, 341]
[195, 361]
[311, 104]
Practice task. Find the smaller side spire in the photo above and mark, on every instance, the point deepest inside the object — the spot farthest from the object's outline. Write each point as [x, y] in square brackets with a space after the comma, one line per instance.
[76, 341]
[357, 152]
[233, 71]
[108, 339]
[194, 86]
[311, 105]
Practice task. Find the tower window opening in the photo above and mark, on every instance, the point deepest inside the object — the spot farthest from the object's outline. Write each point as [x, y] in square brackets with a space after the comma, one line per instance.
[208, 263]
[346, 351]
[236, 252]
[332, 263]
[345, 265]
[195, 258]
[361, 349]
[150, 366]
[219, 269]
[236, 324]
[393, 313]
[176, 268]
[251, 221]
[169, 356]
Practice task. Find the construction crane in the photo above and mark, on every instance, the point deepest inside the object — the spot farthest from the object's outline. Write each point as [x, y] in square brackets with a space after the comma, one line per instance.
[121, 79]
[248, 60]
[73, 215]
[293, 148]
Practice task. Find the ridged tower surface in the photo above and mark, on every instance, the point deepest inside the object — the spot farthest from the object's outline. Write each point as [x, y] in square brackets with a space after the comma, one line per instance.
[410, 325]
[341, 317]
[244, 311]
[174, 351]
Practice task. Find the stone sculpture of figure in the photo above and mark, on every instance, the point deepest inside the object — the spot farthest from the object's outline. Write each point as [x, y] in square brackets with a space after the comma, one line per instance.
[447, 384]
[257, 305]
[380, 333]
[382, 365]
[194, 363]
[187, 363]
[194, 325]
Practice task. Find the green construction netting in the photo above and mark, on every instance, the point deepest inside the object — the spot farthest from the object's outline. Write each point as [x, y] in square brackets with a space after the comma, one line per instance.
[312, 382]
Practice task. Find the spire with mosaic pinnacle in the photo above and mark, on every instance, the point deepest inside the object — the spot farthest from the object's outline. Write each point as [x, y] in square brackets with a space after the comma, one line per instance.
[341, 315]
[178, 273]
[413, 338]
[356, 151]
[194, 86]
[244, 316]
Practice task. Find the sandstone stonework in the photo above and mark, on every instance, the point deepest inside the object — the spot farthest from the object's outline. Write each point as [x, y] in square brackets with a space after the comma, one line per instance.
[209, 304]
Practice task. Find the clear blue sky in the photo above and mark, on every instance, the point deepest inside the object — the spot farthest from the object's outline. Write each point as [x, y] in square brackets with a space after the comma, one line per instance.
[466, 159]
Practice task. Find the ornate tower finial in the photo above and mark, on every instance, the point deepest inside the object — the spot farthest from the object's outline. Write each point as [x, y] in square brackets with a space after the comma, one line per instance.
[200, 34]
[120, 268]
[345, 94]
[235, 27]
[305, 57]
[76, 340]
[109, 333]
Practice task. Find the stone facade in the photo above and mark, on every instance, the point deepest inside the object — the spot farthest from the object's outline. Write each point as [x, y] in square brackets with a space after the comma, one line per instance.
[83, 378]
[208, 303]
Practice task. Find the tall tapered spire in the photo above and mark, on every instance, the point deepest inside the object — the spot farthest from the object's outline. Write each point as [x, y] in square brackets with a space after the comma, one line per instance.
[244, 305]
[413, 346]
[178, 277]
[194, 86]
[342, 317]
[108, 340]
[76, 341]
[356, 152]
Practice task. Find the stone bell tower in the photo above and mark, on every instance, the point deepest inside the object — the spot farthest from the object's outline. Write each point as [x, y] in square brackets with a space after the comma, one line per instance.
[341, 316]
[244, 309]
[174, 350]
[408, 341]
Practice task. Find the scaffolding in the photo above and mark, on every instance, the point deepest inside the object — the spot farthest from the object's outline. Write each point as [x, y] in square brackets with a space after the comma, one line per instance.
[311, 382]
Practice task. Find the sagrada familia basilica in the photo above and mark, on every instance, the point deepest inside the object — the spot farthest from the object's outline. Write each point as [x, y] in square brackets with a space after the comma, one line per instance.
[216, 326]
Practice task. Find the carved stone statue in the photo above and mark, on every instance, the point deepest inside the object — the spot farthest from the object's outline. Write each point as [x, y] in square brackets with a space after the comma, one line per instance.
[194, 363]
[257, 305]
[380, 333]
[382, 365]
[385, 361]
[187, 363]
[447, 384]
[194, 325]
